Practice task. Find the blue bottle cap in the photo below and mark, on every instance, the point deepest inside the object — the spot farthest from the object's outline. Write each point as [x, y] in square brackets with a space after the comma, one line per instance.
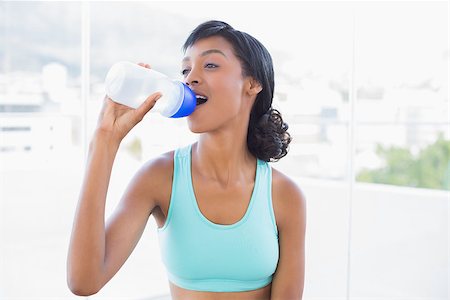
[189, 103]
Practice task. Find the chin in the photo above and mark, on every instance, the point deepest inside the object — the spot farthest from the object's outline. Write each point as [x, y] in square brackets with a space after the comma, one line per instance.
[195, 130]
[194, 127]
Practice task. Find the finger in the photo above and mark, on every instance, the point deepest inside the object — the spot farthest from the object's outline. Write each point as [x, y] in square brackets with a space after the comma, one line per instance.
[106, 99]
[144, 65]
[147, 105]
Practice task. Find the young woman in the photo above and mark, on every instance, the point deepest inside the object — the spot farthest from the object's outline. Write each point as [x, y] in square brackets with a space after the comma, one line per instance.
[229, 225]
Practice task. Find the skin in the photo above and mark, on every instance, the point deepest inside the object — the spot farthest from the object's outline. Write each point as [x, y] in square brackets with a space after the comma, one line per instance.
[221, 154]
[222, 169]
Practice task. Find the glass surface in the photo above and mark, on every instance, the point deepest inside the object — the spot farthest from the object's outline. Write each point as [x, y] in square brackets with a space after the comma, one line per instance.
[400, 233]
[386, 240]
[402, 93]
[403, 155]
[402, 62]
[40, 145]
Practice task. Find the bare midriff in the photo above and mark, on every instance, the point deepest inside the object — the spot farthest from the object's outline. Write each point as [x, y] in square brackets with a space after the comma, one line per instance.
[179, 293]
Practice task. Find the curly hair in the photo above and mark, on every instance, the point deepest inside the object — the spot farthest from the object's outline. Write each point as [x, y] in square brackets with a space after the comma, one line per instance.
[267, 136]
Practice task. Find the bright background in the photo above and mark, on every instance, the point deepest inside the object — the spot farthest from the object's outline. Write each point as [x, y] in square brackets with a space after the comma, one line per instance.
[362, 85]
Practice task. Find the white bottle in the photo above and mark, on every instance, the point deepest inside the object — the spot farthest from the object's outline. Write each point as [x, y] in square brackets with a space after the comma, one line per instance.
[130, 84]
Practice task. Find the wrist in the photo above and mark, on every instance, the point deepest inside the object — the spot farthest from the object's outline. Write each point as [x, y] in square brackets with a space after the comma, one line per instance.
[106, 138]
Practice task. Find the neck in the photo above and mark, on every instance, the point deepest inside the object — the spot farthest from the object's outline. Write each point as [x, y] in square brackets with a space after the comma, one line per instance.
[224, 157]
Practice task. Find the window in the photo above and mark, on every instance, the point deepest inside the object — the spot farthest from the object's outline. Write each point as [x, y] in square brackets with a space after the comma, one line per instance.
[363, 87]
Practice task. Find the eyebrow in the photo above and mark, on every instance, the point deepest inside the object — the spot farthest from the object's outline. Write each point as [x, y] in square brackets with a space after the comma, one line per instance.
[204, 53]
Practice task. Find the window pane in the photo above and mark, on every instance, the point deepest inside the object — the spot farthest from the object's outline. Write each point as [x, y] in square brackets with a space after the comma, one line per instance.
[402, 62]
[399, 243]
[404, 155]
[149, 35]
[40, 157]
[39, 81]
[402, 76]
[400, 234]
[312, 69]
[318, 150]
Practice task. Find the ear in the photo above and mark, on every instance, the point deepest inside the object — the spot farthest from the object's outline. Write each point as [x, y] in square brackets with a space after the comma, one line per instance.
[253, 86]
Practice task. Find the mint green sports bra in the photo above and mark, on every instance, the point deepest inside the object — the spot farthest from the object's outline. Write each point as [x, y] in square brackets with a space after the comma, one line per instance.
[204, 256]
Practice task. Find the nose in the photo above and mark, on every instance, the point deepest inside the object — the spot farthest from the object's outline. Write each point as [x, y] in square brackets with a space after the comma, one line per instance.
[192, 78]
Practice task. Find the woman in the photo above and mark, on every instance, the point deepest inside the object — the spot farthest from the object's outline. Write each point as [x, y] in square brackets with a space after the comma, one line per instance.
[230, 226]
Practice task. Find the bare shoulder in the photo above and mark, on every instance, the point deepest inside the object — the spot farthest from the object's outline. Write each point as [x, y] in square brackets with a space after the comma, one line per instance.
[289, 201]
[155, 176]
[290, 209]
[160, 165]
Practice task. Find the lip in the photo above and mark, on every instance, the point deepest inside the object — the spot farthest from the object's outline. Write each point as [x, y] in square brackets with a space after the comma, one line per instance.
[199, 93]
[197, 106]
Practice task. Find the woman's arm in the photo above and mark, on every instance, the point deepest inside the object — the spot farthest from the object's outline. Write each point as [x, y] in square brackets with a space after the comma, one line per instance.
[85, 261]
[95, 252]
[98, 251]
[288, 280]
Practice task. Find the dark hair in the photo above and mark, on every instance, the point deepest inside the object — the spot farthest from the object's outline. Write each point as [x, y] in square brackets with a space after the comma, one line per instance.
[267, 136]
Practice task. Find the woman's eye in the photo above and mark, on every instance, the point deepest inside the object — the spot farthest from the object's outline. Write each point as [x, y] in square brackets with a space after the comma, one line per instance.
[184, 72]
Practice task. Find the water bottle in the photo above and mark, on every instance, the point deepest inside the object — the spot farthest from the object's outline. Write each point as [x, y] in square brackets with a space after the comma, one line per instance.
[130, 84]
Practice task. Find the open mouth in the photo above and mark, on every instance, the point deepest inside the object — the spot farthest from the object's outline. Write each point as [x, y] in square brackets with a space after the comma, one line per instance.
[201, 99]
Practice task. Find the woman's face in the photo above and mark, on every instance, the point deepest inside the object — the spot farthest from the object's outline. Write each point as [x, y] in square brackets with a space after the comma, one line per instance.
[211, 69]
